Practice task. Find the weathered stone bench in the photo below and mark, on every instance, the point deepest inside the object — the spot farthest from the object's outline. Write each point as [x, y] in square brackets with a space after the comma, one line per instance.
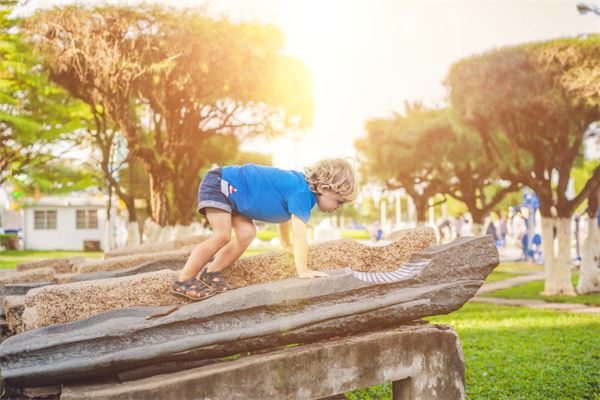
[371, 307]
[421, 361]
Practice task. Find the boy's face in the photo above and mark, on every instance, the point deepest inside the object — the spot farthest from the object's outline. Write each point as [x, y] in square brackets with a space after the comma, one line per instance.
[329, 201]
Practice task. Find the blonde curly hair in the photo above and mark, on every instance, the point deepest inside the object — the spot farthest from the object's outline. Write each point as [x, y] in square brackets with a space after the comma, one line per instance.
[332, 175]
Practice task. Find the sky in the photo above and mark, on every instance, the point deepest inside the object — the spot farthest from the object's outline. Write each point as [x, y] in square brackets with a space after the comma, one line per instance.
[368, 57]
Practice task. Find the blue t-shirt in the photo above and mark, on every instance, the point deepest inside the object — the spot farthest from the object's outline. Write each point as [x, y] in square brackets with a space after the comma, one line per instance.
[268, 194]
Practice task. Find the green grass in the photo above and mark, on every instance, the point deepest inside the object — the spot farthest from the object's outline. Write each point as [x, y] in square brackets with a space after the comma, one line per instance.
[522, 353]
[533, 289]
[500, 276]
[259, 250]
[10, 258]
[518, 267]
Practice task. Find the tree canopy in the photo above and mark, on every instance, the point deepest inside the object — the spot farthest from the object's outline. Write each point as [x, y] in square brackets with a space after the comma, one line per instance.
[532, 105]
[170, 80]
[35, 113]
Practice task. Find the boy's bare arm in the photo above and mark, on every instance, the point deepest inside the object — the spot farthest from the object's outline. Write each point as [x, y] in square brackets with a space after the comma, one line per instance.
[284, 235]
[301, 250]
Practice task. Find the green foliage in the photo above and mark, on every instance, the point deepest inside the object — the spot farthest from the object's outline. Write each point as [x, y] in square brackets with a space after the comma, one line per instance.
[7, 240]
[531, 105]
[407, 151]
[35, 113]
[266, 236]
[173, 81]
[357, 234]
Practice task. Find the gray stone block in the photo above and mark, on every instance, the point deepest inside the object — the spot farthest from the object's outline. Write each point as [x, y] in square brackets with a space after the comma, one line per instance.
[421, 361]
[250, 318]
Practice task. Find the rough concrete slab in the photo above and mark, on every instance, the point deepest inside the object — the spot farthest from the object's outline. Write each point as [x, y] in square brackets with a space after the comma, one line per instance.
[248, 319]
[75, 301]
[60, 265]
[21, 288]
[13, 307]
[33, 275]
[129, 261]
[66, 303]
[174, 263]
[424, 361]
[146, 248]
[335, 254]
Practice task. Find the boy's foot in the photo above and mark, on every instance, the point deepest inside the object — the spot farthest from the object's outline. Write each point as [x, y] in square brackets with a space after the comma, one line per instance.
[214, 280]
[192, 289]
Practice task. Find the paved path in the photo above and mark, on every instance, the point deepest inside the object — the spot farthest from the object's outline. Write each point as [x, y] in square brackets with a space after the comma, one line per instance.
[519, 280]
[510, 282]
[568, 307]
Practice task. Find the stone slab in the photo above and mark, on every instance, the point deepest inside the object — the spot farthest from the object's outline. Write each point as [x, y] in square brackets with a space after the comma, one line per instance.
[32, 275]
[422, 361]
[13, 307]
[60, 265]
[127, 261]
[75, 301]
[12, 289]
[334, 254]
[175, 263]
[72, 302]
[146, 248]
[249, 319]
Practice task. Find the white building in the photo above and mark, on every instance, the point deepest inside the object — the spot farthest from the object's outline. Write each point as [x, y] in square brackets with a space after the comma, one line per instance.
[65, 223]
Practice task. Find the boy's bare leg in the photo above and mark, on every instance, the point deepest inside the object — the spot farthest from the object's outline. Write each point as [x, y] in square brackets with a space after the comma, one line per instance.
[245, 231]
[220, 221]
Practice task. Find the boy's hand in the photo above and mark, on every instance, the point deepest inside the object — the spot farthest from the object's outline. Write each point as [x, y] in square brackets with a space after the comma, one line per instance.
[311, 273]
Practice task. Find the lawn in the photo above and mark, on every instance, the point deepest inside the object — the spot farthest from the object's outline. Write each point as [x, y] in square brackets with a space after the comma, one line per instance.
[10, 258]
[522, 353]
[496, 276]
[533, 289]
[518, 267]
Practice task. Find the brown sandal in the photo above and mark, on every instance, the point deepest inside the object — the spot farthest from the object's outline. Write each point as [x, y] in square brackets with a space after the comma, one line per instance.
[192, 289]
[214, 280]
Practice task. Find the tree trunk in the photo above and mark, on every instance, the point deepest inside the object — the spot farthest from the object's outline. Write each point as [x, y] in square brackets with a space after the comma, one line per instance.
[159, 199]
[108, 236]
[589, 272]
[421, 207]
[477, 228]
[133, 233]
[557, 266]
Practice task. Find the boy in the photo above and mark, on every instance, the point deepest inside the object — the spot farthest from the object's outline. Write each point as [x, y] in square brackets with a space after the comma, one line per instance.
[231, 197]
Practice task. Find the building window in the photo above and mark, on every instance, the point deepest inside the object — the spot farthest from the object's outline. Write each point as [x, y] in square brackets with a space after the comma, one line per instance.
[44, 219]
[87, 219]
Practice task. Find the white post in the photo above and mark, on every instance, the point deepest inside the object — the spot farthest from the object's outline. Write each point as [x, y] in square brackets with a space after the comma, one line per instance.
[398, 210]
[431, 212]
[383, 212]
[411, 211]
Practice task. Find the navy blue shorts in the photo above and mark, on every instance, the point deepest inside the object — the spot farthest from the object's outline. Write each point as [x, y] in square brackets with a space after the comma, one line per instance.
[211, 193]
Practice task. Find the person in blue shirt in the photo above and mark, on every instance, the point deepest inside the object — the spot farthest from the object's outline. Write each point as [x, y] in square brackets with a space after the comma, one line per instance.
[232, 197]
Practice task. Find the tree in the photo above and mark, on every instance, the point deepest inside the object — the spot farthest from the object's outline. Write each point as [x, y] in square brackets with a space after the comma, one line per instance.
[439, 150]
[171, 80]
[407, 151]
[474, 179]
[35, 113]
[531, 106]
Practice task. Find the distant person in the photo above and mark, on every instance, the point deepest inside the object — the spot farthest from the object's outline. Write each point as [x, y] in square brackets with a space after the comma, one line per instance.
[503, 229]
[458, 225]
[234, 196]
[491, 230]
[377, 232]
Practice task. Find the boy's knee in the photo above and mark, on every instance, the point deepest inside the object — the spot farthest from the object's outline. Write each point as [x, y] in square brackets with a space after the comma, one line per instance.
[222, 238]
[247, 234]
